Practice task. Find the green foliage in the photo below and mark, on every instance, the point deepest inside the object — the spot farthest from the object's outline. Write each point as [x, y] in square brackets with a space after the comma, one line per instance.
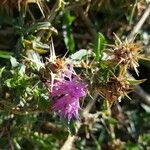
[100, 44]
[67, 31]
[5, 54]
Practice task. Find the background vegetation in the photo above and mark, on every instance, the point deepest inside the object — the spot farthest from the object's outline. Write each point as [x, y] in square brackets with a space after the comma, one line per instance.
[82, 31]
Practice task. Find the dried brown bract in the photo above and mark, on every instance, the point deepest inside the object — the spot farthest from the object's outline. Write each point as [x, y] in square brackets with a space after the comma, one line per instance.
[126, 54]
[115, 89]
[57, 65]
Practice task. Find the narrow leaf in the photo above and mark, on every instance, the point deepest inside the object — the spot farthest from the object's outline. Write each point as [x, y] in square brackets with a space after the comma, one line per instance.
[5, 54]
[67, 31]
[99, 46]
[79, 54]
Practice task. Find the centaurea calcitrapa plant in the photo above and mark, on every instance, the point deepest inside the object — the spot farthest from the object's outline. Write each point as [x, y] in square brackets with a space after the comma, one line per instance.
[66, 87]
[83, 88]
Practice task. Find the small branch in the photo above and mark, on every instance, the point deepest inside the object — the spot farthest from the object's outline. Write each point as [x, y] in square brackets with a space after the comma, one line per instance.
[89, 105]
[54, 10]
[145, 96]
[139, 25]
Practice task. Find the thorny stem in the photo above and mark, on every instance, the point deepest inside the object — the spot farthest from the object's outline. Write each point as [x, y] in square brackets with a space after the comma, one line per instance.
[56, 7]
[111, 126]
[138, 26]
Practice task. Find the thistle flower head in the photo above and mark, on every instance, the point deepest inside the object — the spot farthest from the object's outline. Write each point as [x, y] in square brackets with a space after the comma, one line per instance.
[127, 54]
[66, 88]
[66, 95]
[115, 89]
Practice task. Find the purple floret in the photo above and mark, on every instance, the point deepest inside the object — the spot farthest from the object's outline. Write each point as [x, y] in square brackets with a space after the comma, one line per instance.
[66, 95]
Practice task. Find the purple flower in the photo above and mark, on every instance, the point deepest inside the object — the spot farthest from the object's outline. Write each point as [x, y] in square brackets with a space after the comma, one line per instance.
[66, 93]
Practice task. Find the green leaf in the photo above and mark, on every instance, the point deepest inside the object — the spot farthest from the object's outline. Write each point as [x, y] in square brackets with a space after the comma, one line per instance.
[112, 120]
[1, 71]
[14, 62]
[38, 44]
[22, 69]
[5, 54]
[136, 82]
[99, 46]
[79, 54]
[132, 12]
[38, 26]
[34, 43]
[146, 108]
[67, 31]
[39, 47]
[36, 59]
